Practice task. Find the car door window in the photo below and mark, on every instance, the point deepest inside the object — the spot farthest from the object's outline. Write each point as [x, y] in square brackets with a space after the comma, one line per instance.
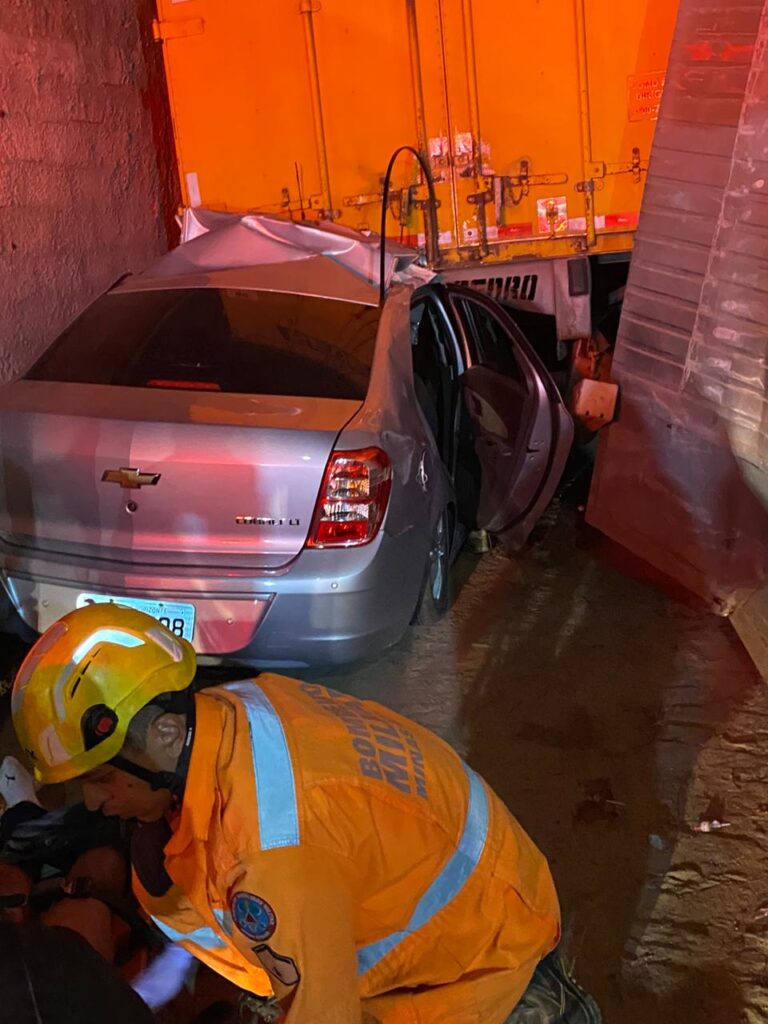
[490, 342]
[433, 371]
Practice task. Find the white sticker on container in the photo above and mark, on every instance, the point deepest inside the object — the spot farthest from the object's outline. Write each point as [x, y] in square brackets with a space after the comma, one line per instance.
[193, 189]
[444, 238]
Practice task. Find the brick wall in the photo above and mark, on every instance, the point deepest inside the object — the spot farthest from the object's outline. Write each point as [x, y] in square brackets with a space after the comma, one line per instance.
[87, 183]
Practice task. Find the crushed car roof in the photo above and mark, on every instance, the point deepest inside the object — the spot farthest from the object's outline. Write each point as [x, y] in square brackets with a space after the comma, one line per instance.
[266, 253]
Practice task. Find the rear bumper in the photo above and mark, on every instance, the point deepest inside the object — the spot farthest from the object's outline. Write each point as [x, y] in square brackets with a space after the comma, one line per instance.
[328, 607]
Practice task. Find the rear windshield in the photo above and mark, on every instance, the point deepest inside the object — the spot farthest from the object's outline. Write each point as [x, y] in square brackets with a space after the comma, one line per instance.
[209, 339]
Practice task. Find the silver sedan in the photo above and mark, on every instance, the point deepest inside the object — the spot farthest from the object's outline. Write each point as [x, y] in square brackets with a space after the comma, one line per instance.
[264, 458]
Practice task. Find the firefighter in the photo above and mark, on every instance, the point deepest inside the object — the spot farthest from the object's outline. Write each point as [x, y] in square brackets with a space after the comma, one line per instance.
[309, 846]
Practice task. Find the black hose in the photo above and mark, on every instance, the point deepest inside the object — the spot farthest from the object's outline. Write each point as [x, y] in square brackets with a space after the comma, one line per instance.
[431, 226]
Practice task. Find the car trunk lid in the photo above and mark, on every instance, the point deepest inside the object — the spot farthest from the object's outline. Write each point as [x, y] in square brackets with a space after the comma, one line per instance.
[162, 477]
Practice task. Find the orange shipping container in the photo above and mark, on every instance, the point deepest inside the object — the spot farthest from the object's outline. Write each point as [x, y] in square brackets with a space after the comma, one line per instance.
[537, 120]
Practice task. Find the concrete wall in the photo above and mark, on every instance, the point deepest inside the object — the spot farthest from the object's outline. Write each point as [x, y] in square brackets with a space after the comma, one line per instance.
[672, 475]
[87, 182]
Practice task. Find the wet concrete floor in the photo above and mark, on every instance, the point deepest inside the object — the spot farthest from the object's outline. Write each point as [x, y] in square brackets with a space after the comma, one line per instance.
[612, 714]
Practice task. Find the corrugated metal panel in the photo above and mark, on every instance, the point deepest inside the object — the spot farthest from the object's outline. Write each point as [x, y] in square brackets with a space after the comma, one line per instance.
[691, 165]
[728, 357]
[693, 340]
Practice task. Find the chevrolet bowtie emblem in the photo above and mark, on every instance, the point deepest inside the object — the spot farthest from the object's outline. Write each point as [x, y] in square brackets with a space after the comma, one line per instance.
[130, 478]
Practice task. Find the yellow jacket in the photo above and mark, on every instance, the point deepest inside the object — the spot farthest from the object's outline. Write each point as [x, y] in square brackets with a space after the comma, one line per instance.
[334, 852]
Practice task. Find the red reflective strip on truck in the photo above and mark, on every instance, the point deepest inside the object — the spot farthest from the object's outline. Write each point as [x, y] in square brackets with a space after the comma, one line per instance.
[515, 230]
[612, 221]
[621, 220]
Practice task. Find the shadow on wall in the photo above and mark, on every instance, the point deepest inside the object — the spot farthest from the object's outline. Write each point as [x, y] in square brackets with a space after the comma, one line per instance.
[154, 98]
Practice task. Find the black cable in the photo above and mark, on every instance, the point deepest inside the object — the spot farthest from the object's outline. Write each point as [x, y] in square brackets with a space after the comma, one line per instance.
[431, 226]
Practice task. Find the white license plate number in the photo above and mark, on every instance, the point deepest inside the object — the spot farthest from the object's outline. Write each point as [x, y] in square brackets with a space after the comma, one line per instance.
[174, 615]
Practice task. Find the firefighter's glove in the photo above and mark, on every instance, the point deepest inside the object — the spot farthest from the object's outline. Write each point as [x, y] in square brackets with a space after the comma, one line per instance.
[16, 784]
[162, 981]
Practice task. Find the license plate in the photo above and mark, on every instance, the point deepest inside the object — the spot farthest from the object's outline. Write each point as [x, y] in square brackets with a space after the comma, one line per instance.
[178, 617]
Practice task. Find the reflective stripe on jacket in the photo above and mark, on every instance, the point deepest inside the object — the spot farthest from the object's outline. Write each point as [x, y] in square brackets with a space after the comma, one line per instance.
[334, 852]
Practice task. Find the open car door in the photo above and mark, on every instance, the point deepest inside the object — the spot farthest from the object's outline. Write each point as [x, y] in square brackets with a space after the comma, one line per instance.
[522, 430]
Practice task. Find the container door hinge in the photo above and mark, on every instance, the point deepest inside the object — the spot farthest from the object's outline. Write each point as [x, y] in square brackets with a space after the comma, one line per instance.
[307, 204]
[599, 170]
[402, 202]
[508, 190]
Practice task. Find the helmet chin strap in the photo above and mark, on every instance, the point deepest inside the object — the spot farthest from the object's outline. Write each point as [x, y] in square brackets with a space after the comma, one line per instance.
[174, 781]
[156, 780]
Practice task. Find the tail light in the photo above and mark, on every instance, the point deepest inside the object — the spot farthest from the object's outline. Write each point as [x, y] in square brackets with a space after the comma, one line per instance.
[353, 499]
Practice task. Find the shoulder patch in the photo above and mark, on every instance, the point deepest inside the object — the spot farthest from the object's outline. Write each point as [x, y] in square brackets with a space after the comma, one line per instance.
[253, 916]
[281, 968]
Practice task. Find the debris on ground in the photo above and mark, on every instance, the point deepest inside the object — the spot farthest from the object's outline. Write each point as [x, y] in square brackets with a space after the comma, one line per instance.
[711, 826]
[713, 818]
[599, 804]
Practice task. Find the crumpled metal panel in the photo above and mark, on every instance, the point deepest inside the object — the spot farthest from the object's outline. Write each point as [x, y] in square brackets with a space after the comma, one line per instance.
[277, 254]
[671, 481]
[213, 241]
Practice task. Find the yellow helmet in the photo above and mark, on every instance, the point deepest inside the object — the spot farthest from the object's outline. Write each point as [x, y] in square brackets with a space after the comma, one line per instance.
[84, 680]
